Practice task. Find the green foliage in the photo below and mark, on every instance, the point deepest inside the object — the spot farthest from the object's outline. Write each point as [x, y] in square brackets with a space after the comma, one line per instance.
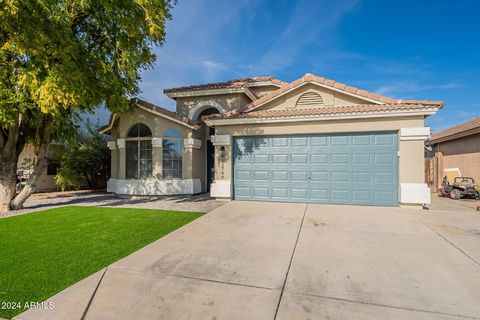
[56, 55]
[85, 157]
[68, 179]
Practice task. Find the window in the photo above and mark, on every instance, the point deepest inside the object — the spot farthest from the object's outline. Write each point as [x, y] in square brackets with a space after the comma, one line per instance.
[139, 152]
[172, 154]
[52, 167]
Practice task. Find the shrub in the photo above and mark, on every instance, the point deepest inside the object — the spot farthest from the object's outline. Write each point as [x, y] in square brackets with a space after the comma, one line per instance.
[68, 179]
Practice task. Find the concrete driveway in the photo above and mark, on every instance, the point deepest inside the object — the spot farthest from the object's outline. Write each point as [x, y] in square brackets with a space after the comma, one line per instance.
[253, 260]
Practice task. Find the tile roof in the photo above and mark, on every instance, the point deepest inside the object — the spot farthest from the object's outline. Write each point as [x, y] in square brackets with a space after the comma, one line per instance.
[155, 109]
[164, 111]
[325, 111]
[310, 78]
[231, 84]
[461, 128]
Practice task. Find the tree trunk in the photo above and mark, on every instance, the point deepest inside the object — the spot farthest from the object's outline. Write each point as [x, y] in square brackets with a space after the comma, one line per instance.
[8, 167]
[40, 166]
[8, 181]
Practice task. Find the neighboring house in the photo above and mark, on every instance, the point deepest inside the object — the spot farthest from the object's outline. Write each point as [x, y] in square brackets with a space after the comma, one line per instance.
[455, 147]
[26, 163]
[312, 140]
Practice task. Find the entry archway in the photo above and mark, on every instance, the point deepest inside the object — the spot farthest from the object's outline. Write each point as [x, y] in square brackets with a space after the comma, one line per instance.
[202, 106]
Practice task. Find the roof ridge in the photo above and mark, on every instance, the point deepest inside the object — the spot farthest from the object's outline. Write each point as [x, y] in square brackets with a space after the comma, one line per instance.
[346, 109]
[459, 128]
[334, 85]
[163, 110]
[241, 82]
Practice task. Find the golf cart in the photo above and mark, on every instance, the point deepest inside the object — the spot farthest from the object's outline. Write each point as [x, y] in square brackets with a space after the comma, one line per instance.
[456, 186]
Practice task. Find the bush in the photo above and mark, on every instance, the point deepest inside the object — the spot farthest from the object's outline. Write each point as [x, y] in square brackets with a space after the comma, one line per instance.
[68, 179]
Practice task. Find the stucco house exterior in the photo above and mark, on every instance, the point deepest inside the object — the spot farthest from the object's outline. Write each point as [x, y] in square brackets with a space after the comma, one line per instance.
[454, 147]
[26, 163]
[312, 140]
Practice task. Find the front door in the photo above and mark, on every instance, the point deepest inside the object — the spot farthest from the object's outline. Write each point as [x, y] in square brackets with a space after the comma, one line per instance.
[210, 163]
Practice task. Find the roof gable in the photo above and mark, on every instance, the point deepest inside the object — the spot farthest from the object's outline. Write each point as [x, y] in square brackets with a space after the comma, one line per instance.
[332, 85]
[156, 110]
[309, 95]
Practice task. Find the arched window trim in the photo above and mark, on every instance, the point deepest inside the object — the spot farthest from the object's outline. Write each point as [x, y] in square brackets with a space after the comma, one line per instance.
[172, 152]
[139, 153]
[138, 126]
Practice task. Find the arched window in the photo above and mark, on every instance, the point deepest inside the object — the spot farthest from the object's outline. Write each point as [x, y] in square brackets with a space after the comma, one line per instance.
[139, 152]
[172, 154]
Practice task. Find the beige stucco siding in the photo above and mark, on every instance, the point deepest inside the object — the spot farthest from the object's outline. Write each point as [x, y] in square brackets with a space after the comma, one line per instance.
[227, 101]
[468, 163]
[411, 152]
[330, 98]
[157, 125]
[263, 90]
[45, 182]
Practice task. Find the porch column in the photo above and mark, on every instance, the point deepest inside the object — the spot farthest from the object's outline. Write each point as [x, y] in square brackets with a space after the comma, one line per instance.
[157, 157]
[112, 145]
[189, 145]
[121, 158]
[222, 184]
[413, 189]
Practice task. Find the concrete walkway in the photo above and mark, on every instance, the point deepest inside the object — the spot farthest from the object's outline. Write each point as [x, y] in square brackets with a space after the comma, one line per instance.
[252, 260]
[199, 203]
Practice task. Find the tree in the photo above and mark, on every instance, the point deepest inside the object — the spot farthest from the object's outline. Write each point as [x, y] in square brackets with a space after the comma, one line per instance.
[61, 57]
[86, 157]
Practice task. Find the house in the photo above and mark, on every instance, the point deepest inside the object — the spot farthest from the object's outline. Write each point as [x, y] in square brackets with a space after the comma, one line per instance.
[26, 163]
[312, 140]
[455, 147]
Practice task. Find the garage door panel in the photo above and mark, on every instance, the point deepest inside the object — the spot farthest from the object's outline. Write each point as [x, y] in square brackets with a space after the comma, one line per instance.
[319, 141]
[319, 158]
[320, 194]
[362, 159]
[340, 158]
[298, 193]
[344, 168]
[339, 140]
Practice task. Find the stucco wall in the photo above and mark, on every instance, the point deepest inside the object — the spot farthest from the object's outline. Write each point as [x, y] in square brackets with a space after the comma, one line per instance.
[263, 90]
[45, 182]
[330, 98]
[468, 144]
[469, 164]
[227, 101]
[411, 164]
[157, 125]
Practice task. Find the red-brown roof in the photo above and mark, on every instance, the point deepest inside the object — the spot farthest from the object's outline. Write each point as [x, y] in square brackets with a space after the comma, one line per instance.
[464, 128]
[155, 109]
[231, 84]
[326, 111]
[310, 78]
[164, 111]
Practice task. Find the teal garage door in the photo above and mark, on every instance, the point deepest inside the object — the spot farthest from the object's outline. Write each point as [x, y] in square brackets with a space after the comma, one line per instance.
[337, 168]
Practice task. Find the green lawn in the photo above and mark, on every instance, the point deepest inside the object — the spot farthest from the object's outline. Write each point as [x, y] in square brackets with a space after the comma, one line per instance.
[44, 252]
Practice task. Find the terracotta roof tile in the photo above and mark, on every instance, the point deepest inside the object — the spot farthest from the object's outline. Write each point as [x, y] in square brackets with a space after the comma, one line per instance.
[164, 111]
[235, 83]
[461, 128]
[324, 111]
[340, 86]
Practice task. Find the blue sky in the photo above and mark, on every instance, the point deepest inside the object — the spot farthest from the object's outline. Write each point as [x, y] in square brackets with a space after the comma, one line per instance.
[404, 49]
